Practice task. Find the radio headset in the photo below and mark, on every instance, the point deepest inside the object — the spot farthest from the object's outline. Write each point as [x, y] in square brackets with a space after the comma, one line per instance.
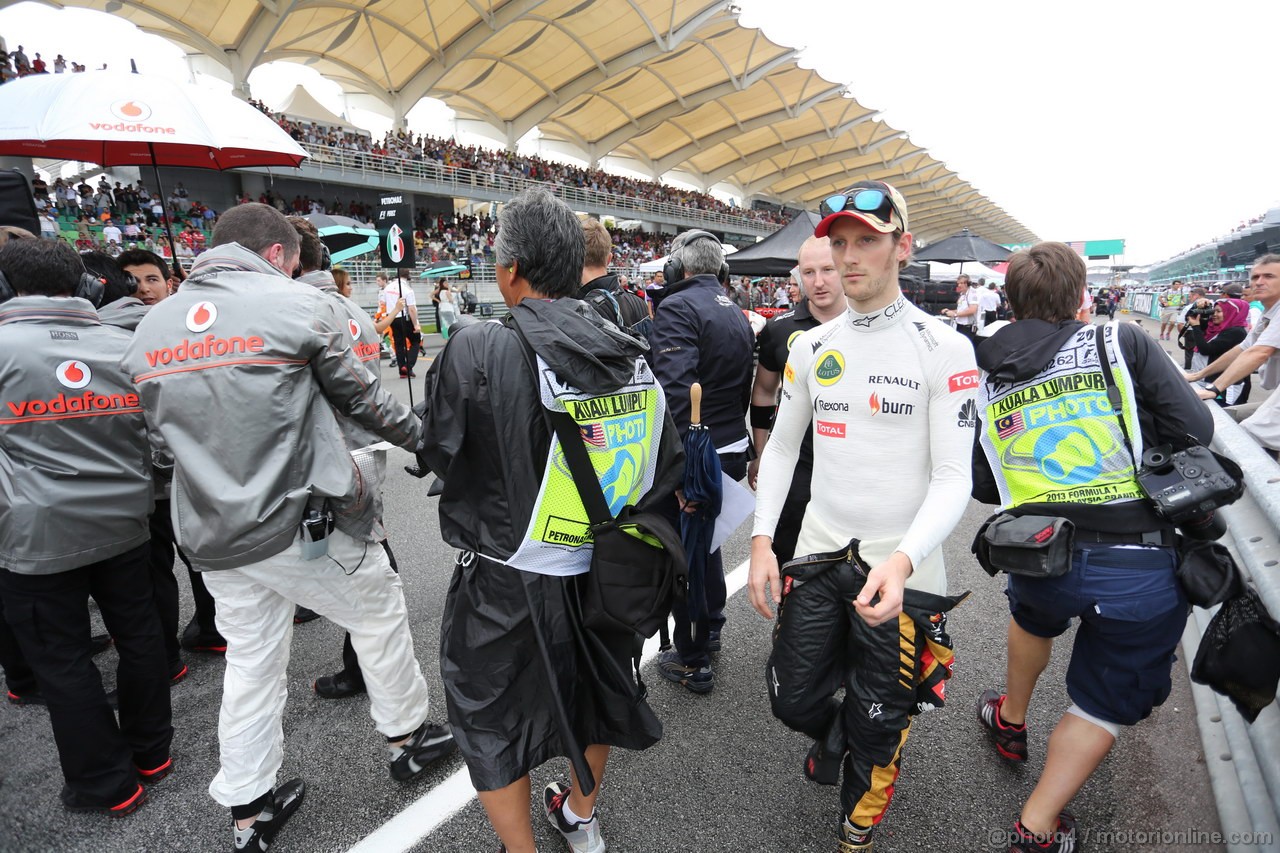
[673, 269]
[90, 287]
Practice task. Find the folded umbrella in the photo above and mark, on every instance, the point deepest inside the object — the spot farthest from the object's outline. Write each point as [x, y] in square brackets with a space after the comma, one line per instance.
[701, 487]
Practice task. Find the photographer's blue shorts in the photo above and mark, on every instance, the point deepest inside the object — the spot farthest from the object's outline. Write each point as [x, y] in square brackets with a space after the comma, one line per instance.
[1132, 613]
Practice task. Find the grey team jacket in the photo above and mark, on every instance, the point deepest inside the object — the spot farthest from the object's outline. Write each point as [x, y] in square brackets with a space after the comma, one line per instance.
[75, 463]
[243, 373]
[365, 343]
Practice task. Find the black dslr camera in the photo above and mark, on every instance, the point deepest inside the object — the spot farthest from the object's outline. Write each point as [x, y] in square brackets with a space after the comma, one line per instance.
[1188, 485]
[1202, 313]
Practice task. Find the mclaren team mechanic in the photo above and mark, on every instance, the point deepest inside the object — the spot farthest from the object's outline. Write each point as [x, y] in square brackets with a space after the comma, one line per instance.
[1051, 444]
[867, 607]
[152, 275]
[75, 469]
[524, 681]
[269, 503]
[121, 309]
[313, 266]
[823, 301]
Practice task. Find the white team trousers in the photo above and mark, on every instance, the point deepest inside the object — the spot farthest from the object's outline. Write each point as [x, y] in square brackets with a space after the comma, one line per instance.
[255, 615]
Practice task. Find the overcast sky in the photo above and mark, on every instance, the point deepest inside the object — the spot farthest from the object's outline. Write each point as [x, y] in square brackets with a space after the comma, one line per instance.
[1086, 120]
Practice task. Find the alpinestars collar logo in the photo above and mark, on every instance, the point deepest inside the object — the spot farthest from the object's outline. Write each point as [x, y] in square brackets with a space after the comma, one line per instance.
[890, 311]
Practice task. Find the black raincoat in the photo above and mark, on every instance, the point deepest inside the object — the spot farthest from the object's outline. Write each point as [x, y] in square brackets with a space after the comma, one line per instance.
[524, 682]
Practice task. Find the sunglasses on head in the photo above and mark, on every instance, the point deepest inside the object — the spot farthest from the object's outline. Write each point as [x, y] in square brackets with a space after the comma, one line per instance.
[864, 200]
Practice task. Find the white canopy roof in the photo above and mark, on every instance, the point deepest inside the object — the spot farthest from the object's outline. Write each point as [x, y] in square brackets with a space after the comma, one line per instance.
[302, 106]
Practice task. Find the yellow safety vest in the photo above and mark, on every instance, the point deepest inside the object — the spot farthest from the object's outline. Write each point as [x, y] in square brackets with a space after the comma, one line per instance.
[1055, 438]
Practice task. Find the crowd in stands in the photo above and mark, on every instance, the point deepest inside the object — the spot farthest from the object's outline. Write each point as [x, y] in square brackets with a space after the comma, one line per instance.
[111, 218]
[1241, 227]
[404, 145]
[16, 63]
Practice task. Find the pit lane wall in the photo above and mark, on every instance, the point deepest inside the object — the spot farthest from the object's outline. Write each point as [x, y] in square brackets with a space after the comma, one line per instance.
[1244, 760]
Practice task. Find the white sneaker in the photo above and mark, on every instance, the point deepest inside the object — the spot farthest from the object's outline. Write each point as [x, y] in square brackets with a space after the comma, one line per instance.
[583, 837]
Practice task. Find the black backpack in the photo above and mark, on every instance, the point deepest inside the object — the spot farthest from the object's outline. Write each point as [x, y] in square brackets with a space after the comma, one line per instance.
[625, 310]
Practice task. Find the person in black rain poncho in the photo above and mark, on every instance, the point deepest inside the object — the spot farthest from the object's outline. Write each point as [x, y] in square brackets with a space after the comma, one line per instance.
[524, 681]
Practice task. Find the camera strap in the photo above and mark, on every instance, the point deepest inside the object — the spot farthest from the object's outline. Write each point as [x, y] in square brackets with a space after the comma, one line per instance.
[1117, 406]
[1113, 392]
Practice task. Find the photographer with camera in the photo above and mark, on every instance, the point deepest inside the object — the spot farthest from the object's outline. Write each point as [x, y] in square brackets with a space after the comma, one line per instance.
[1060, 431]
[1260, 350]
[1214, 329]
[1199, 305]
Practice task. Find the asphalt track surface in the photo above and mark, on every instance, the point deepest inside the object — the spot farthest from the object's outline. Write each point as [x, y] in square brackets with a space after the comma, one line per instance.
[725, 777]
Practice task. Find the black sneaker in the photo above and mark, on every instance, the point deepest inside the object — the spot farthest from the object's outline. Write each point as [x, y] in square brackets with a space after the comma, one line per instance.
[1011, 741]
[155, 774]
[76, 803]
[851, 839]
[99, 643]
[284, 802]
[713, 640]
[1061, 840]
[429, 743]
[697, 680]
[338, 687]
[822, 764]
[304, 614]
[29, 697]
[196, 640]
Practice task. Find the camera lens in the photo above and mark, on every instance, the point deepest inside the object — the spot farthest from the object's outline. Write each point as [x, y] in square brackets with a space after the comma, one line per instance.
[1205, 528]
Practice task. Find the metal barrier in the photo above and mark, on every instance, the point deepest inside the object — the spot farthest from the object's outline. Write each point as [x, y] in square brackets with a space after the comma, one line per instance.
[1244, 759]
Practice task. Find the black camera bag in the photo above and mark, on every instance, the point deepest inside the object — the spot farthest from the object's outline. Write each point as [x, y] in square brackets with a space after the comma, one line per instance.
[1034, 546]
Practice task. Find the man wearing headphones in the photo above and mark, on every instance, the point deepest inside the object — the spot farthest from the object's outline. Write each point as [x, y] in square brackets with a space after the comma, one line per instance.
[69, 407]
[700, 335]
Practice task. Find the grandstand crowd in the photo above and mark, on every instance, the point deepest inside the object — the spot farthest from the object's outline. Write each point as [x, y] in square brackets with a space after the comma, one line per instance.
[114, 217]
[405, 145]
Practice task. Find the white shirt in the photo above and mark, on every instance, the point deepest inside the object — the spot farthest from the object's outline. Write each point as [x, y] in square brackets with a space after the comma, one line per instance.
[890, 396]
[988, 300]
[969, 297]
[1266, 332]
[111, 234]
[391, 295]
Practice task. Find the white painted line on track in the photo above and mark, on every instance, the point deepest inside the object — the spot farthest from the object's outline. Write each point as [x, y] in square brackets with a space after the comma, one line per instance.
[425, 814]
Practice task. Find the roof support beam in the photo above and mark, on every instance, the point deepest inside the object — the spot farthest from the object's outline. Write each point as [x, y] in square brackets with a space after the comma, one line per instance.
[191, 36]
[425, 79]
[706, 143]
[584, 83]
[261, 30]
[654, 118]
[801, 165]
[365, 82]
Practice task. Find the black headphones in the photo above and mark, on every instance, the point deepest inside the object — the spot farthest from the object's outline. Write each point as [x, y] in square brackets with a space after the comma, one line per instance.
[92, 288]
[89, 287]
[673, 269]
